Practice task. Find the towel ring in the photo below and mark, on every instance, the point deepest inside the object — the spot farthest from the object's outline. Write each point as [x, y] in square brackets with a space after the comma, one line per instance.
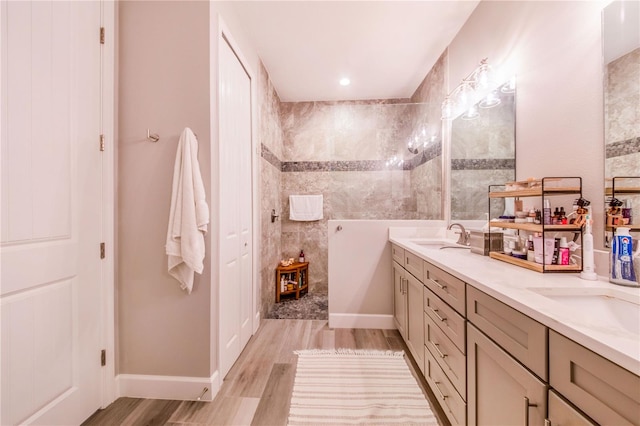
[153, 137]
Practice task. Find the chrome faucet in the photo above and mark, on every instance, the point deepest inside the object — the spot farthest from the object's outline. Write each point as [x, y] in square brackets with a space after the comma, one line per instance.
[464, 234]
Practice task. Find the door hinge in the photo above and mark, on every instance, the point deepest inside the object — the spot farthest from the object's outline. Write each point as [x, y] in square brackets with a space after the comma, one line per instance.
[101, 35]
[102, 251]
[101, 142]
[103, 357]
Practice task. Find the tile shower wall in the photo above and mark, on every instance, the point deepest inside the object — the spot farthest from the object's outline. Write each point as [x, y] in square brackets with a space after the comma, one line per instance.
[338, 149]
[426, 176]
[622, 116]
[482, 154]
[270, 183]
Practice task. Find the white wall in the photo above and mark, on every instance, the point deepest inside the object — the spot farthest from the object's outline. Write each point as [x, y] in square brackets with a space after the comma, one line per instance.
[554, 49]
[167, 340]
[360, 274]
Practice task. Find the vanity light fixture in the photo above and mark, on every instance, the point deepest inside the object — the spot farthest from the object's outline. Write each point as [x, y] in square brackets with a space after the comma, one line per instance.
[490, 100]
[466, 94]
[394, 162]
[345, 81]
[509, 86]
[420, 140]
[471, 114]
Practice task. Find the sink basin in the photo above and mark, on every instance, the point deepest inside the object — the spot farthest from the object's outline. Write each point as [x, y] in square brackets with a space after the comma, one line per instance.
[605, 305]
[437, 245]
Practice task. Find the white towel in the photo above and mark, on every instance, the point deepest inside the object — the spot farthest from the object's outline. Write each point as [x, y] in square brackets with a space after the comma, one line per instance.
[305, 207]
[188, 215]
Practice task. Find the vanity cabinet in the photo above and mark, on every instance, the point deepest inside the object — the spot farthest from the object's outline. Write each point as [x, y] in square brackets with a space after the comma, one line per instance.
[415, 320]
[399, 300]
[506, 364]
[445, 341]
[604, 391]
[408, 311]
[500, 390]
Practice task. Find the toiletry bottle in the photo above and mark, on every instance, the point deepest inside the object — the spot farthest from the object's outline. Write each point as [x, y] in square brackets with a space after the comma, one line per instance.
[621, 263]
[555, 219]
[562, 217]
[531, 255]
[547, 212]
[563, 252]
[556, 251]
[301, 257]
[588, 263]
[627, 213]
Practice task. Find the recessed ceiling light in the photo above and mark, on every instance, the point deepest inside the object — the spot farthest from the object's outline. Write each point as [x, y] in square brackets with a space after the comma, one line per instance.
[345, 81]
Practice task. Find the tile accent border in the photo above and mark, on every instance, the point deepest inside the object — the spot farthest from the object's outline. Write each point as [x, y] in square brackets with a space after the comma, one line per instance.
[620, 148]
[270, 157]
[429, 154]
[483, 164]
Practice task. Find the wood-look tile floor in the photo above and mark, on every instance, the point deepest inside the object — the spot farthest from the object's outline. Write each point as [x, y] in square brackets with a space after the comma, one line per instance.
[258, 388]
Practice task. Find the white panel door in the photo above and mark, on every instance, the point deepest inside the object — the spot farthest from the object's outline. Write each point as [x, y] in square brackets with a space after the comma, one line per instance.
[51, 212]
[236, 283]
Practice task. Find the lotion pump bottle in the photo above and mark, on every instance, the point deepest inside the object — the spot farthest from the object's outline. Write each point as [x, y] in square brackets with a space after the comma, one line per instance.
[588, 264]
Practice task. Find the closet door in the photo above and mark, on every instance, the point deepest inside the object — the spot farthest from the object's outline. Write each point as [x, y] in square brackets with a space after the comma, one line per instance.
[51, 212]
[236, 263]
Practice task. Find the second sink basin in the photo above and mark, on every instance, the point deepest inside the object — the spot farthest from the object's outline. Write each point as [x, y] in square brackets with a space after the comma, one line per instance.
[437, 245]
[605, 305]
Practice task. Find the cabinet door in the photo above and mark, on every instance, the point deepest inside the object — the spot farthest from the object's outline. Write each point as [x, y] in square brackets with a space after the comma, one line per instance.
[500, 390]
[415, 319]
[399, 299]
[561, 413]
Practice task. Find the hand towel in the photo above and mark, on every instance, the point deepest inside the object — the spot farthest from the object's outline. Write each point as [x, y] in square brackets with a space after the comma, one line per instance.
[188, 214]
[305, 207]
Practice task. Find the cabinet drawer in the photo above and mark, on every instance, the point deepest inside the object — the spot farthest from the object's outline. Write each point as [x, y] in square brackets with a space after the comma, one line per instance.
[446, 286]
[449, 321]
[606, 392]
[413, 264]
[519, 335]
[397, 253]
[563, 413]
[447, 355]
[452, 404]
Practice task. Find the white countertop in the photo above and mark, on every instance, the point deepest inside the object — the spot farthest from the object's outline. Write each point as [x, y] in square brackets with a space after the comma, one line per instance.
[512, 285]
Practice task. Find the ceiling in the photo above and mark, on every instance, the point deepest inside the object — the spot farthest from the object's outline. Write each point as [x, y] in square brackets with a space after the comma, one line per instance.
[385, 48]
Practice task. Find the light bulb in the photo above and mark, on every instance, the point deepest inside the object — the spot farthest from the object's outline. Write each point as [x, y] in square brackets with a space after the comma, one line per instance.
[490, 101]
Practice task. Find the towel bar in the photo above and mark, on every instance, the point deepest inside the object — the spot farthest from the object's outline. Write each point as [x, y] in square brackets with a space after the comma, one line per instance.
[152, 137]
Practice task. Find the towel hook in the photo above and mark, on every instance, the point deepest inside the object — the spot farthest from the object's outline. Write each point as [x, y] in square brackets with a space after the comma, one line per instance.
[153, 137]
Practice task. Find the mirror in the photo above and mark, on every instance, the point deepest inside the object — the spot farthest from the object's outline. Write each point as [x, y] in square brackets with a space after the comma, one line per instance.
[483, 152]
[621, 54]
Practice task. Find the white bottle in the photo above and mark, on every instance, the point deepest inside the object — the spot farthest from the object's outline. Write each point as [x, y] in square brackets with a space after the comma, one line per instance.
[588, 264]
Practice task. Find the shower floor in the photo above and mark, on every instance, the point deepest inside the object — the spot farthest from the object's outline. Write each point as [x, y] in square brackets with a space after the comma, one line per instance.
[311, 306]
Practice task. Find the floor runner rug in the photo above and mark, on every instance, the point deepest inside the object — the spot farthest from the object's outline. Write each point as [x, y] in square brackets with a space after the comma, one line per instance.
[347, 387]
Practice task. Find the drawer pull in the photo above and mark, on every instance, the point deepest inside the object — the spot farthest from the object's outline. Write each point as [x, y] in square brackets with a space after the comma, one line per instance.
[440, 286]
[435, 312]
[547, 422]
[443, 396]
[440, 354]
[527, 404]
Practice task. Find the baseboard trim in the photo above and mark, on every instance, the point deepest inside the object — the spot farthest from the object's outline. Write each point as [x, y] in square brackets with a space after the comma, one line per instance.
[384, 322]
[167, 387]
